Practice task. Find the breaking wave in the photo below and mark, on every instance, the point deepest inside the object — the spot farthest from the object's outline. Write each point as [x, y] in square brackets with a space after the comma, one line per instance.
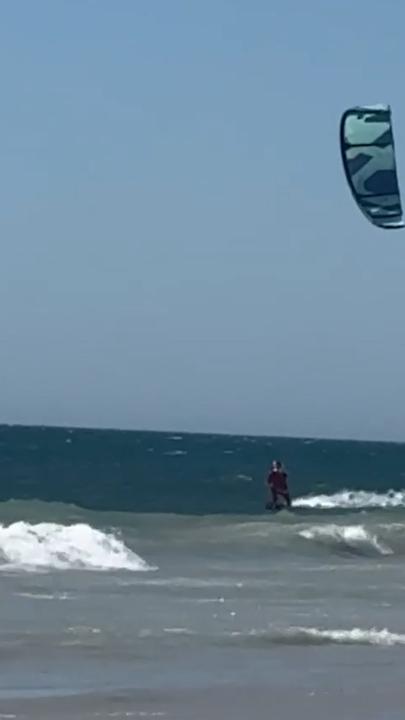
[353, 500]
[49, 545]
[347, 537]
[317, 636]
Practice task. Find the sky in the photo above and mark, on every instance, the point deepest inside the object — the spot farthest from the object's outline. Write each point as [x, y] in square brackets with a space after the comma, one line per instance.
[179, 248]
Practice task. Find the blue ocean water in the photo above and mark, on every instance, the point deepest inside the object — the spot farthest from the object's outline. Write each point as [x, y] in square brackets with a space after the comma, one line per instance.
[140, 576]
[183, 473]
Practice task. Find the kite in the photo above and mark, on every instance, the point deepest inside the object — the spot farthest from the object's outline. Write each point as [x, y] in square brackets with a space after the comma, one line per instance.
[368, 154]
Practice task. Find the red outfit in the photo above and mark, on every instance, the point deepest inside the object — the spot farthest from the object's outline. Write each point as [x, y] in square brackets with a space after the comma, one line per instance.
[277, 482]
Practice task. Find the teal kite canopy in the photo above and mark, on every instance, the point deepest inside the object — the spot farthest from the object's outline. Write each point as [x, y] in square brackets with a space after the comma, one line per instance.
[368, 154]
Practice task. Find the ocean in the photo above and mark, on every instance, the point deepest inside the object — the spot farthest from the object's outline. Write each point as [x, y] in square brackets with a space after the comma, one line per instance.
[141, 577]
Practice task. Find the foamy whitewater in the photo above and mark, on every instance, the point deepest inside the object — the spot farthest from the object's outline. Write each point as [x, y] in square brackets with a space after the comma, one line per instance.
[158, 585]
[352, 500]
[48, 545]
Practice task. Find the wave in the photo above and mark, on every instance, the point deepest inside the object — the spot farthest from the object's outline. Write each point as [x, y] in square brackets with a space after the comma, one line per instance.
[352, 500]
[374, 537]
[46, 545]
[36, 534]
[347, 537]
[290, 635]
[318, 636]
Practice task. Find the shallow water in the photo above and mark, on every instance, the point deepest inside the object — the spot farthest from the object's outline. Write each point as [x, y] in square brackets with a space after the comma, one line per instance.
[179, 615]
[310, 609]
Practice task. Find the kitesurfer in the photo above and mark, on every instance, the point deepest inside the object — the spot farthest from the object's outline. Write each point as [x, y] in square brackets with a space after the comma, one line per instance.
[277, 482]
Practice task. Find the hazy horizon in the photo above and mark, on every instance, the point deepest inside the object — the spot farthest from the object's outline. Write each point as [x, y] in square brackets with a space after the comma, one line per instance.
[182, 432]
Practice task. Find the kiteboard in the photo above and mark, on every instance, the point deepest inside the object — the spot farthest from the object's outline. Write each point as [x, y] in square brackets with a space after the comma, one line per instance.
[281, 504]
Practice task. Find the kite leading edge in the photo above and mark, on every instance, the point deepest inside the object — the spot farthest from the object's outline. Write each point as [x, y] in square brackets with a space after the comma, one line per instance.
[368, 154]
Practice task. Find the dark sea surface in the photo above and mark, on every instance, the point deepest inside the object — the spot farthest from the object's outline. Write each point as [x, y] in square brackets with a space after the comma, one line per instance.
[141, 577]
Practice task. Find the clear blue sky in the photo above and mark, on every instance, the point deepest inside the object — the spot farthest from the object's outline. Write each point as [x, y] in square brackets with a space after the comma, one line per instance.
[179, 249]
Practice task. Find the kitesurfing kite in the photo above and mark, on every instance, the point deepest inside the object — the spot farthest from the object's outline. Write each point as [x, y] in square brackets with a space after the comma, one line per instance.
[368, 154]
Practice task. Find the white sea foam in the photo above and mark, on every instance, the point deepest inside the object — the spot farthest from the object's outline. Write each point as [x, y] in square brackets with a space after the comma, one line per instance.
[299, 635]
[185, 582]
[178, 631]
[44, 596]
[349, 637]
[50, 545]
[353, 499]
[353, 537]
